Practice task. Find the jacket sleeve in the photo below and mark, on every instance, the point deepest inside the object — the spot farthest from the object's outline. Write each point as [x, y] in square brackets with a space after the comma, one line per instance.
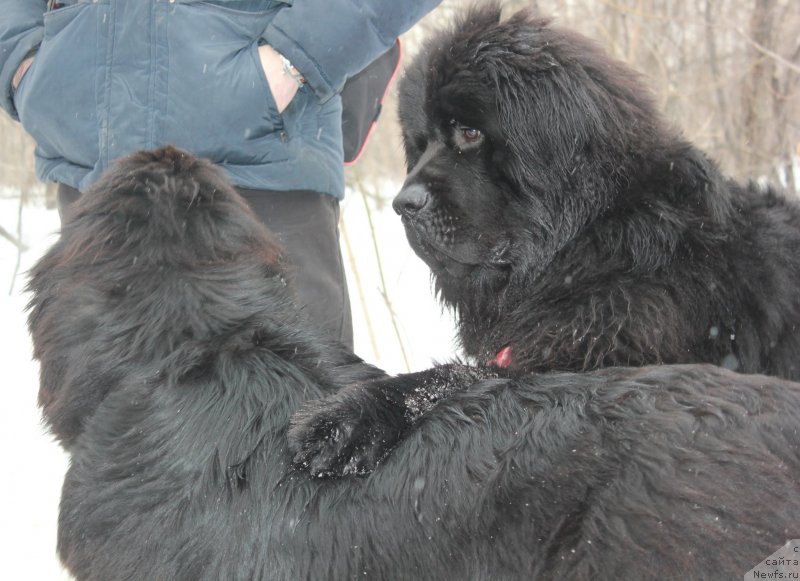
[331, 40]
[21, 32]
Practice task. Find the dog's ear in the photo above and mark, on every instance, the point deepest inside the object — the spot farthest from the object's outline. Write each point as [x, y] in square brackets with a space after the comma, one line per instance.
[567, 109]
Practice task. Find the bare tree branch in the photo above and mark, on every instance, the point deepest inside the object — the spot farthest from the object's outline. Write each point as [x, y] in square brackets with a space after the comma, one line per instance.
[771, 54]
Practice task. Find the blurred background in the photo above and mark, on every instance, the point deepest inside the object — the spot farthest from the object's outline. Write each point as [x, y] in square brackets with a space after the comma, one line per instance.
[727, 72]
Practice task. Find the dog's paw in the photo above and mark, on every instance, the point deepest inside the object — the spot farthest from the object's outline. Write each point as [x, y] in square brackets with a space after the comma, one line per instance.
[342, 436]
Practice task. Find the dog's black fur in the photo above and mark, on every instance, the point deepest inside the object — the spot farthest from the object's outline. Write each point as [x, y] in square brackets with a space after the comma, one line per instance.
[562, 217]
[566, 224]
[173, 356]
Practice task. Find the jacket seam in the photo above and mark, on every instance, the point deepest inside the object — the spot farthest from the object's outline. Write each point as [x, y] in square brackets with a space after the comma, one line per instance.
[105, 108]
[151, 80]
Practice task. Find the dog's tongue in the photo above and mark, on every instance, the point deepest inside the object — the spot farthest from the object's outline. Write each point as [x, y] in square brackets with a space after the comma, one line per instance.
[503, 357]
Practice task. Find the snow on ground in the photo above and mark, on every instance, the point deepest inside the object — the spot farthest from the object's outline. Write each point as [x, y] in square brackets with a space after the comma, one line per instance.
[34, 464]
[426, 333]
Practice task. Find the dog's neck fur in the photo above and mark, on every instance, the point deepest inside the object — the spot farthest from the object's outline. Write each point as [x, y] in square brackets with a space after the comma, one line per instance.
[636, 235]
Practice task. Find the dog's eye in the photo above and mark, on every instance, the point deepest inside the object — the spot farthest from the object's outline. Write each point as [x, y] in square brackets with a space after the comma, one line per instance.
[464, 135]
[471, 135]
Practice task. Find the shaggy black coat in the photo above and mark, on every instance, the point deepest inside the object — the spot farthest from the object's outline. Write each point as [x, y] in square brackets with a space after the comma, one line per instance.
[562, 218]
[568, 227]
[172, 358]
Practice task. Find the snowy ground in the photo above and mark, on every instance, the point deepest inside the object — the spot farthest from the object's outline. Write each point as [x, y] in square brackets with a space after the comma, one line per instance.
[34, 464]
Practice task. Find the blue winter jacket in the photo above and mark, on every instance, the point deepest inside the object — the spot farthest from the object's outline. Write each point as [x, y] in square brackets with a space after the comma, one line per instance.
[114, 76]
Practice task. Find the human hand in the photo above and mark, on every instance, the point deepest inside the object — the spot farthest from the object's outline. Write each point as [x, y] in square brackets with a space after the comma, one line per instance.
[283, 86]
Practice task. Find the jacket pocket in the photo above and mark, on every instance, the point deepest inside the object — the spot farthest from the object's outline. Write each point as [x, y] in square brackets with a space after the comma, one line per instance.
[56, 99]
[219, 104]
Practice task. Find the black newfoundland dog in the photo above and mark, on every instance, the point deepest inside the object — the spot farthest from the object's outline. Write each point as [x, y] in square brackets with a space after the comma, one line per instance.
[564, 220]
[172, 358]
[569, 228]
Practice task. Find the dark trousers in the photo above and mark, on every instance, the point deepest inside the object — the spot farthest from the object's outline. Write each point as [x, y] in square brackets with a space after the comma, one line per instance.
[307, 224]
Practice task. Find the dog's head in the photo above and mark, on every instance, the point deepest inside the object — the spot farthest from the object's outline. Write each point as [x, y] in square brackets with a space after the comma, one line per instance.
[161, 251]
[517, 135]
[154, 217]
[163, 206]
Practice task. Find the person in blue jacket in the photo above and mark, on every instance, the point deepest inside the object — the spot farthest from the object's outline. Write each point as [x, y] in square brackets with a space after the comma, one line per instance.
[252, 85]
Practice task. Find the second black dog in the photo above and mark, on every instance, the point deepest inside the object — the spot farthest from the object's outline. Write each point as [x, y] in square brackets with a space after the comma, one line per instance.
[566, 223]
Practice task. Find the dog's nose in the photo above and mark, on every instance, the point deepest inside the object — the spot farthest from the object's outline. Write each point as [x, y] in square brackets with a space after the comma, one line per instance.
[411, 200]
